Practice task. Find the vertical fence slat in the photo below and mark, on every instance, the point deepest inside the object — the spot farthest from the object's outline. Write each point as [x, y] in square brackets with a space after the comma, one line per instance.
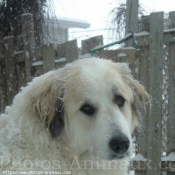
[145, 23]
[71, 50]
[155, 89]
[143, 71]
[48, 55]
[171, 91]
[9, 69]
[144, 79]
[29, 42]
[3, 89]
[61, 50]
[131, 18]
[142, 135]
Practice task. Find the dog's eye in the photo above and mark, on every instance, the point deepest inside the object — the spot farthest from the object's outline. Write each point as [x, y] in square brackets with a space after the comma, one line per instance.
[87, 109]
[119, 100]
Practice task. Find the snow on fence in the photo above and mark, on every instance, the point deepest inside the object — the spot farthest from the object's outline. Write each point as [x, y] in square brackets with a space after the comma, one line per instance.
[155, 142]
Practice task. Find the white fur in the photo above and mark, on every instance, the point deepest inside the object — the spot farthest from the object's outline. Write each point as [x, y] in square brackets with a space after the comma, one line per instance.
[82, 147]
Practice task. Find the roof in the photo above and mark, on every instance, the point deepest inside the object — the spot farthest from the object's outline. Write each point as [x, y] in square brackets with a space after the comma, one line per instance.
[69, 23]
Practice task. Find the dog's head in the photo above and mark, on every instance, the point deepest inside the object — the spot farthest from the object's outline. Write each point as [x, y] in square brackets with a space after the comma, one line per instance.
[93, 105]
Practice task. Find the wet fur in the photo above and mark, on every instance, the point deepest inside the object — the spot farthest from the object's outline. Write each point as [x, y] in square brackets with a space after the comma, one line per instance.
[38, 126]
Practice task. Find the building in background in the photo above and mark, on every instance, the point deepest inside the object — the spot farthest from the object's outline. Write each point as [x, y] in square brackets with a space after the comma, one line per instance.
[57, 30]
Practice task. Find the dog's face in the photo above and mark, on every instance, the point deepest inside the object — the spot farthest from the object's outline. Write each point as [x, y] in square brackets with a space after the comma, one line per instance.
[99, 109]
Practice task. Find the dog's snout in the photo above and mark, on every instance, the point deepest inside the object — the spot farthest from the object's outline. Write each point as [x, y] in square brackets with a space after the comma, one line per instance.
[119, 144]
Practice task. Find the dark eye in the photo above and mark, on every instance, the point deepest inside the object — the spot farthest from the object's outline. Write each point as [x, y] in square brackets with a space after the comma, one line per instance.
[119, 100]
[87, 109]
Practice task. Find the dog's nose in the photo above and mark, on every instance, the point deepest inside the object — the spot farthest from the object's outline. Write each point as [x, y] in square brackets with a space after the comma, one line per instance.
[119, 144]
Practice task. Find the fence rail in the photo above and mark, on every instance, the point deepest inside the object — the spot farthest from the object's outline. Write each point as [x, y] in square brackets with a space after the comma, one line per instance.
[19, 61]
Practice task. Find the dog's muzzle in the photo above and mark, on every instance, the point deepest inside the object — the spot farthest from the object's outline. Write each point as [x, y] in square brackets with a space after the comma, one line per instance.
[119, 145]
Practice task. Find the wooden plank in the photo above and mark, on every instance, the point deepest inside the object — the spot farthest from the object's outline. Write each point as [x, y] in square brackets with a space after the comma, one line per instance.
[22, 74]
[171, 92]
[38, 53]
[1, 82]
[132, 16]
[48, 57]
[3, 88]
[20, 57]
[91, 43]
[169, 37]
[61, 50]
[172, 19]
[143, 72]
[145, 23]
[131, 19]
[114, 55]
[71, 49]
[19, 43]
[108, 54]
[170, 34]
[1, 48]
[9, 69]
[37, 71]
[155, 90]
[144, 40]
[28, 41]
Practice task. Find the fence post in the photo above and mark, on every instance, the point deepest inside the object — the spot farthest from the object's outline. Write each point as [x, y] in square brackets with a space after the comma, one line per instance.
[171, 92]
[9, 69]
[155, 90]
[71, 50]
[143, 71]
[61, 50]
[48, 55]
[131, 18]
[29, 42]
[3, 88]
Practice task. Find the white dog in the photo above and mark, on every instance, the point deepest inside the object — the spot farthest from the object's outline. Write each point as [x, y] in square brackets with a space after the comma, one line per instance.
[75, 120]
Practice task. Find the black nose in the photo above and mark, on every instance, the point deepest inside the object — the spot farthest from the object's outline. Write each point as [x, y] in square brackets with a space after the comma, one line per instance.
[119, 144]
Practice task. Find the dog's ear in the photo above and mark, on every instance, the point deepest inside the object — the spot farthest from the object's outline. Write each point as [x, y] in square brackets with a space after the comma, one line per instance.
[57, 124]
[47, 102]
[139, 103]
[140, 94]
[140, 91]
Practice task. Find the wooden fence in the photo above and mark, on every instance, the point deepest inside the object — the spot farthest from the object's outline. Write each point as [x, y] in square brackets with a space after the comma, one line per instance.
[155, 56]
[147, 61]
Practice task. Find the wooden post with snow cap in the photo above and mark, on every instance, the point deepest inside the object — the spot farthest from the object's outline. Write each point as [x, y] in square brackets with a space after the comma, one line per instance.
[29, 42]
[143, 77]
[131, 18]
[155, 90]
